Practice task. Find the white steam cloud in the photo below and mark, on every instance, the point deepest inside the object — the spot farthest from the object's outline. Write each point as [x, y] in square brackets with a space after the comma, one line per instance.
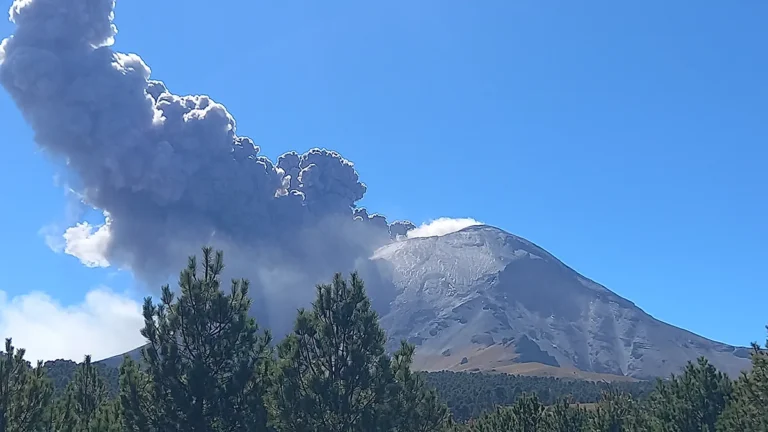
[88, 243]
[104, 324]
[441, 227]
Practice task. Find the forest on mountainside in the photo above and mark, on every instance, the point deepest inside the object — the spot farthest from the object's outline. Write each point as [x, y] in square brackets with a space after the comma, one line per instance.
[208, 367]
[467, 395]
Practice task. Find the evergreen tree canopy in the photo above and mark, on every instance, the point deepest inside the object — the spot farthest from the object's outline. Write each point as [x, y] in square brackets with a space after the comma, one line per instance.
[207, 362]
[417, 408]
[25, 393]
[692, 401]
[618, 412]
[566, 418]
[334, 373]
[748, 408]
[89, 393]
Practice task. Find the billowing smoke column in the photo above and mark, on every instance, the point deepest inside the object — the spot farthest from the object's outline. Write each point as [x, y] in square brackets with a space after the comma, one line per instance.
[170, 172]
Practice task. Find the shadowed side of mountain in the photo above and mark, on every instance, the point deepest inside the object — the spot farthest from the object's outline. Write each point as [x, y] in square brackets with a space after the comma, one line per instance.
[116, 361]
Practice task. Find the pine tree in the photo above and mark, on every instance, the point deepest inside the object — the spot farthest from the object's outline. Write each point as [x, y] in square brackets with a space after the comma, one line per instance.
[206, 360]
[747, 411]
[25, 393]
[89, 392]
[333, 372]
[63, 417]
[618, 412]
[135, 398]
[107, 418]
[86, 405]
[529, 414]
[562, 417]
[502, 419]
[692, 401]
[418, 408]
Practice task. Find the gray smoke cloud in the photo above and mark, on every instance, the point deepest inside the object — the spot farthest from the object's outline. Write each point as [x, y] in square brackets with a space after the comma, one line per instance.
[170, 172]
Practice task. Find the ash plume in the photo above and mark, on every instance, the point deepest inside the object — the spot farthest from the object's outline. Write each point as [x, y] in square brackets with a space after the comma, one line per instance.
[170, 172]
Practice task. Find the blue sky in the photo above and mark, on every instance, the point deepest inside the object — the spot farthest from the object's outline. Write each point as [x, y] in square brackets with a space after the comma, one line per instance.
[628, 139]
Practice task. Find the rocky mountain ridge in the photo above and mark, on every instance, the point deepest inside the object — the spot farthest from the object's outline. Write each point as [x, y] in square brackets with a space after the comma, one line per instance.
[484, 299]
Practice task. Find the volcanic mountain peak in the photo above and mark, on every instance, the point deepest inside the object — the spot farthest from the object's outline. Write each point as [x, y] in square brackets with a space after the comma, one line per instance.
[482, 298]
[461, 259]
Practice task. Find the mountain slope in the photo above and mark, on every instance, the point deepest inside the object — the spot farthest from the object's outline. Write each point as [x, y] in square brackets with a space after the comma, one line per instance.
[484, 299]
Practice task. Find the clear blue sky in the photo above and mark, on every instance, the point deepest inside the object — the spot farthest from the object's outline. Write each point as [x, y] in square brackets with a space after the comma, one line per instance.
[630, 139]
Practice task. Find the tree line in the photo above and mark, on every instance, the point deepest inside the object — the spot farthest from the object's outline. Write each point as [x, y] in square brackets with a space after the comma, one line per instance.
[470, 395]
[208, 367]
[467, 395]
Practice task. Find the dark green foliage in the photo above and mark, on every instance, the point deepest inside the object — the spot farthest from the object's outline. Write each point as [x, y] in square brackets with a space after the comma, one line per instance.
[417, 408]
[89, 393]
[469, 395]
[61, 372]
[139, 415]
[692, 401]
[566, 418]
[207, 363]
[86, 405]
[527, 414]
[62, 416]
[334, 373]
[25, 393]
[747, 410]
[107, 418]
[618, 412]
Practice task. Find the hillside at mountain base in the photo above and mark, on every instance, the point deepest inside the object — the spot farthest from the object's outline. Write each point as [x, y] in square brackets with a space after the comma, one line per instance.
[482, 299]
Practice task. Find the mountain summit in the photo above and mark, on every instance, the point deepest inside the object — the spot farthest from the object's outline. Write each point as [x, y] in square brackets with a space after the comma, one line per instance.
[483, 299]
